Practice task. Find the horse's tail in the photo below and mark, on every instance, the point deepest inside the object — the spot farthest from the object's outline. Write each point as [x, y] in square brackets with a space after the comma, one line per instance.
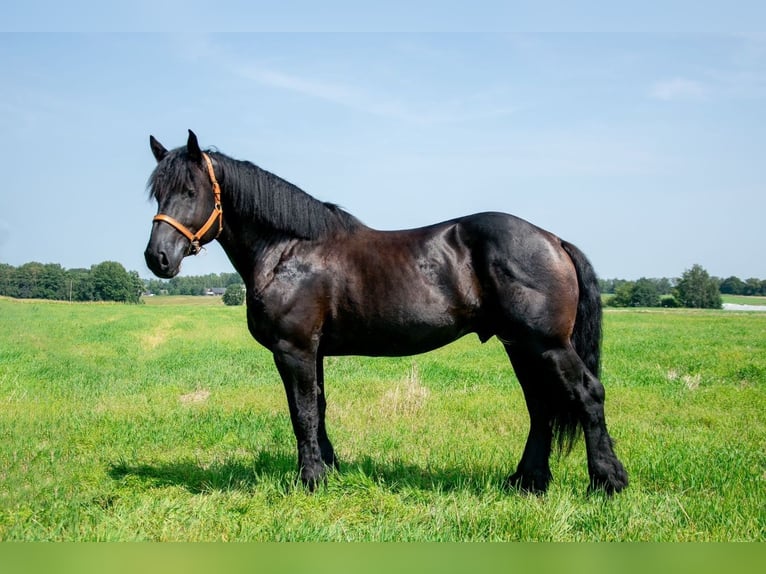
[586, 339]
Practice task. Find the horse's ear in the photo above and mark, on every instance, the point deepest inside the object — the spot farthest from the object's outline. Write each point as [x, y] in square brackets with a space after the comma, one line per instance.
[158, 149]
[192, 148]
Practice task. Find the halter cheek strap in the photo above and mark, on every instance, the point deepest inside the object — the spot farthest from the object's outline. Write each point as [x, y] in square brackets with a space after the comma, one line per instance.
[196, 238]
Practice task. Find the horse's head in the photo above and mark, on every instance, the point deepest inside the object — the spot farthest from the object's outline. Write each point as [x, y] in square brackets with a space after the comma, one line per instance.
[188, 206]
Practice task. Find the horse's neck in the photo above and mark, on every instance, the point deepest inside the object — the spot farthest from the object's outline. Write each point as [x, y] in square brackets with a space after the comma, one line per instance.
[252, 236]
[252, 252]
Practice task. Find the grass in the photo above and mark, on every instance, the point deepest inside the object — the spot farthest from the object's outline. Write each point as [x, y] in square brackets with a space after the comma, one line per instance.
[167, 422]
[175, 300]
[744, 299]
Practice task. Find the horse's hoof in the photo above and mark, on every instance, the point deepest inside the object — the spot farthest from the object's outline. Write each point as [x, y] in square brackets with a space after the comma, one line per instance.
[311, 480]
[532, 483]
[610, 481]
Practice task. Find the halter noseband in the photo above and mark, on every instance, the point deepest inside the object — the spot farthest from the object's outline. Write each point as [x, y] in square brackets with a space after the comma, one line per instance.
[195, 238]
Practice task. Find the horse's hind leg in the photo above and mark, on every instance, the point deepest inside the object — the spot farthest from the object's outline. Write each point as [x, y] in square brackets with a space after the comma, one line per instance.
[585, 393]
[533, 472]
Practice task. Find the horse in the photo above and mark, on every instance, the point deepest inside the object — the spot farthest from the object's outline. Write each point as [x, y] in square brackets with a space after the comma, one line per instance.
[321, 283]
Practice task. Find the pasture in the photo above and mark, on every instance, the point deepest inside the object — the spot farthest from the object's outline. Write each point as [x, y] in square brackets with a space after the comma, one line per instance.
[166, 421]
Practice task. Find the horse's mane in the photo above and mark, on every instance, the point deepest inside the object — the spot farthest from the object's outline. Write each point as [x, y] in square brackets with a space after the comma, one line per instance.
[254, 193]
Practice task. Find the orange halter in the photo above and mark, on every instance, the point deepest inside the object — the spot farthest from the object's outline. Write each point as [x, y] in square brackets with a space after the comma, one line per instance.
[195, 238]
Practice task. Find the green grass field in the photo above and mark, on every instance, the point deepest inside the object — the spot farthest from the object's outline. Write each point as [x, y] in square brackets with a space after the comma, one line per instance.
[175, 300]
[165, 421]
[744, 300]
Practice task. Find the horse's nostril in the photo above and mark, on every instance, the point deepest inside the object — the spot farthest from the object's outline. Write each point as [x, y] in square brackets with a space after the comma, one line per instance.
[156, 260]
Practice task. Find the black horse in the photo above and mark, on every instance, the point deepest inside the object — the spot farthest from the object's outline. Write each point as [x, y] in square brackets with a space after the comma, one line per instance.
[321, 283]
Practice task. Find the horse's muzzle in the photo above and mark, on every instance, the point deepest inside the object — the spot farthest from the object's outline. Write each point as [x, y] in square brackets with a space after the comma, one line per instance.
[164, 257]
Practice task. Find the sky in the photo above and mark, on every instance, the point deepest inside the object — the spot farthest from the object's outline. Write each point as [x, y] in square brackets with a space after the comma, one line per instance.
[642, 142]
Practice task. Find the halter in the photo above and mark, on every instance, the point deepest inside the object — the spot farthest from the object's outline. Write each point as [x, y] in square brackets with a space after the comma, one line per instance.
[195, 238]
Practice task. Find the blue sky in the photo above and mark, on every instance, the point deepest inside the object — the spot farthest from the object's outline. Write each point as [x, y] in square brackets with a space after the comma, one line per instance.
[645, 147]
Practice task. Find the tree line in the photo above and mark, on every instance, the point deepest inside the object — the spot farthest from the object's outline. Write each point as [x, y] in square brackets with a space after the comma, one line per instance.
[192, 285]
[695, 288]
[106, 281]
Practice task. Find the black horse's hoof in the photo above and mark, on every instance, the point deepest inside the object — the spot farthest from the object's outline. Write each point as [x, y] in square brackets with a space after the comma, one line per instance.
[531, 483]
[610, 480]
[312, 479]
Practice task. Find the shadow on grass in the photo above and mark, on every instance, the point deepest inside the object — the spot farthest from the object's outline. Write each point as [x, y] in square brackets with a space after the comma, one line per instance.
[280, 469]
[199, 478]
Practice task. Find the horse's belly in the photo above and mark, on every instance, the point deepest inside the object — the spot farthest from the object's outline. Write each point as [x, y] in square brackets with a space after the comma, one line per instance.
[399, 334]
[404, 312]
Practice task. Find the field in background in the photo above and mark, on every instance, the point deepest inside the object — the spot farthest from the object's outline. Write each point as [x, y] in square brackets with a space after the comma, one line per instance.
[193, 300]
[744, 300]
[165, 421]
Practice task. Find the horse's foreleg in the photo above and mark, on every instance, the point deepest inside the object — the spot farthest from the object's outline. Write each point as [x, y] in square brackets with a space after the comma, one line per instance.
[533, 473]
[325, 446]
[298, 370]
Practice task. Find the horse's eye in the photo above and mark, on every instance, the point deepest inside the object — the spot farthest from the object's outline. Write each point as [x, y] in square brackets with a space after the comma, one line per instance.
[190, 191]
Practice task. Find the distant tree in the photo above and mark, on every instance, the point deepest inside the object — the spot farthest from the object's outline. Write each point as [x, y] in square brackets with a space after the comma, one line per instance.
[697, 289]
[645, 293]
[668, 301]
[228, 279]
[106, 281]
[732, 286]
[191, 285]
[623, 292]
[156, 286]
[664, 285]
[606, 285]
[111, 282]
[7, 280]
[234, 295]
[753, 286]
[136, 287]
[27, 280]
[52, 282]
[641, 293]
[79, 285]
[34, 280]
